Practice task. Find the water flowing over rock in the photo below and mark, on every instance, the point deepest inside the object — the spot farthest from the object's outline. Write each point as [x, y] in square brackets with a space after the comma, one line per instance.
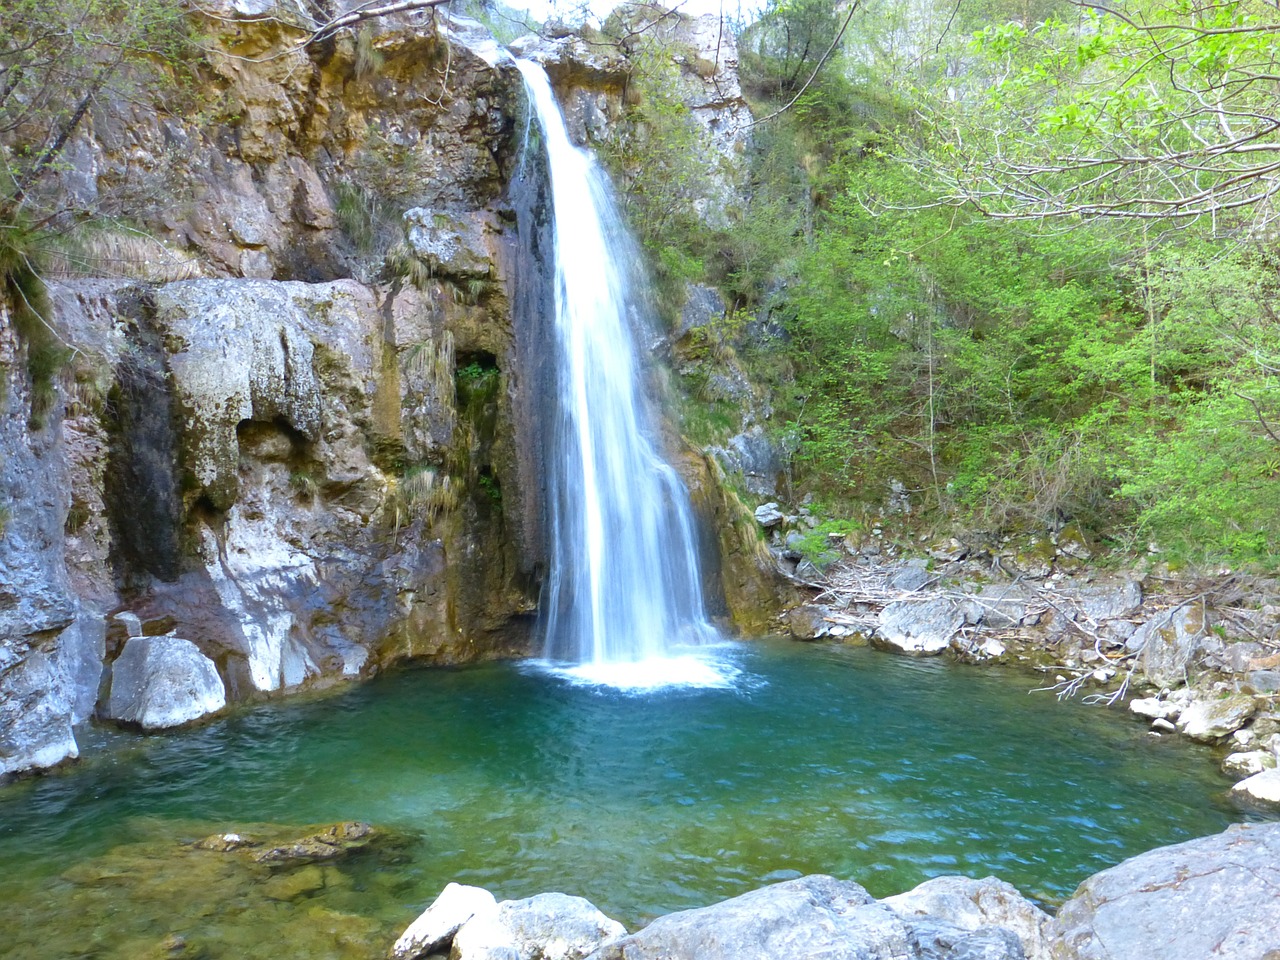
[623, 582]
[1213, 897]
[162, 682]
[266, 442]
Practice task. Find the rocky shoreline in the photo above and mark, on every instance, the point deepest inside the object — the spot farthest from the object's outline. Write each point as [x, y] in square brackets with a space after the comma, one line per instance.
[1192, 656]
[1212, 897]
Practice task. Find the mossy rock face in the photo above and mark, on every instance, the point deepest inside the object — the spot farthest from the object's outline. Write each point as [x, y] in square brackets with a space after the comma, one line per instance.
[744, 572]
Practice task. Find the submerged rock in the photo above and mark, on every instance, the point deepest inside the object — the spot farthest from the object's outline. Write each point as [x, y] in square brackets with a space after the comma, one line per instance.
[327, 844]
[1213, 897]
[163, 682]
[549, 926]
[436, 926]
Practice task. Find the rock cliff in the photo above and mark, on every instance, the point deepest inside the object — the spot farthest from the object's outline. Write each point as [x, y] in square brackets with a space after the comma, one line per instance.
[295, 428]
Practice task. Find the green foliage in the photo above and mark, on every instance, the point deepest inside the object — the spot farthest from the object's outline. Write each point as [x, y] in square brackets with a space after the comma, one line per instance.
[1161, 110]
[381, 180]
[23, 291]
[1207, 488]
[58, 58]
[357, 213]
[780, 51]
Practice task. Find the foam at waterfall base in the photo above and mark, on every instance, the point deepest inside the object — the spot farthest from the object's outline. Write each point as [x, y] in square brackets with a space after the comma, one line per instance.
[703, 669]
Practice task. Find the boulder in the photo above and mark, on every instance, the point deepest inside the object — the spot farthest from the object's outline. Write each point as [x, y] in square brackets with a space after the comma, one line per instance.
[1248, 763]
[1260, 790]
[1209, 720]
[1168, 645]
[1108, 602]
[808, 622]
[810, 918]
[974, 904]
[1153, 708]
[1210, 897]
[768, 515]
[436, 926]
[163, 682]
[549, 926]
[911, 575]
[921, 628]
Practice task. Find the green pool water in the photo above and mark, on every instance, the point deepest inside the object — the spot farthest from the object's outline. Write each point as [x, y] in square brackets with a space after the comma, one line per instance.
[817, 759]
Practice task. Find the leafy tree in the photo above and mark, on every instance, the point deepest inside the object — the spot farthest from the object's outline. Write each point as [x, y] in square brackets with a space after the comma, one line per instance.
[1157, 110]
[781, 50]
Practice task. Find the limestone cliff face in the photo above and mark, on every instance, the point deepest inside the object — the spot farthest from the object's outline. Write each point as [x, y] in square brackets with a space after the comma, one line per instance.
[297, 430]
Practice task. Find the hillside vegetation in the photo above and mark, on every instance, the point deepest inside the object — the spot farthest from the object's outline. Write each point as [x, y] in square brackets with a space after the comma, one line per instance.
[1023, 259]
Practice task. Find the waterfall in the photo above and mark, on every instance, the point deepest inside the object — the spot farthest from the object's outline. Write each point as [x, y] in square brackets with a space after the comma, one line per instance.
[623, 595]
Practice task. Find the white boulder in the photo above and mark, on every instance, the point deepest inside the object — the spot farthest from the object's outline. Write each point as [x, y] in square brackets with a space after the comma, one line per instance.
[162, 682]
[439, 923]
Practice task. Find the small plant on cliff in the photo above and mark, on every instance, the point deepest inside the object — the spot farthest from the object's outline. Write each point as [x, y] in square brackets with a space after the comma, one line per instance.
[23, 290]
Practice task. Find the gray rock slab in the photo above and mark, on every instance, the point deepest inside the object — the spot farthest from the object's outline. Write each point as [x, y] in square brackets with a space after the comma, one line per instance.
[919, 628]
[1216, 897]
[436, 926]
[1210, 720]
[810, 918]
[549, 926]
[1168, 645]
[162, 682]
[975, 904]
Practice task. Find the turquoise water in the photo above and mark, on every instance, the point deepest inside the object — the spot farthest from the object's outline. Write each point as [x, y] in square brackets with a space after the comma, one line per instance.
[820, 759]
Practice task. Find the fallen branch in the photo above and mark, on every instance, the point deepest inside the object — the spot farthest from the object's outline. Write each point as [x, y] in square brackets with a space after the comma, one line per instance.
[367, 11]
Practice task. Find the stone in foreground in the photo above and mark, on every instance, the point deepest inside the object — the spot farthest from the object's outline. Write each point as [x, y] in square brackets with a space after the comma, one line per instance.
[1260, 790]
[974, 904]
[1213, 897]
[436, 926]
[550, 926]
[163, 682]
[811, 918]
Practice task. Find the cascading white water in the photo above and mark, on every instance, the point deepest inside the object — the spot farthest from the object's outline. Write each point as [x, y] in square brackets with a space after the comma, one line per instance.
[623, 594]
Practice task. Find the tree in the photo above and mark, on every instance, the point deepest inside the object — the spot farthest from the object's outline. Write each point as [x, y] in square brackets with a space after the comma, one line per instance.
[1157, 110]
